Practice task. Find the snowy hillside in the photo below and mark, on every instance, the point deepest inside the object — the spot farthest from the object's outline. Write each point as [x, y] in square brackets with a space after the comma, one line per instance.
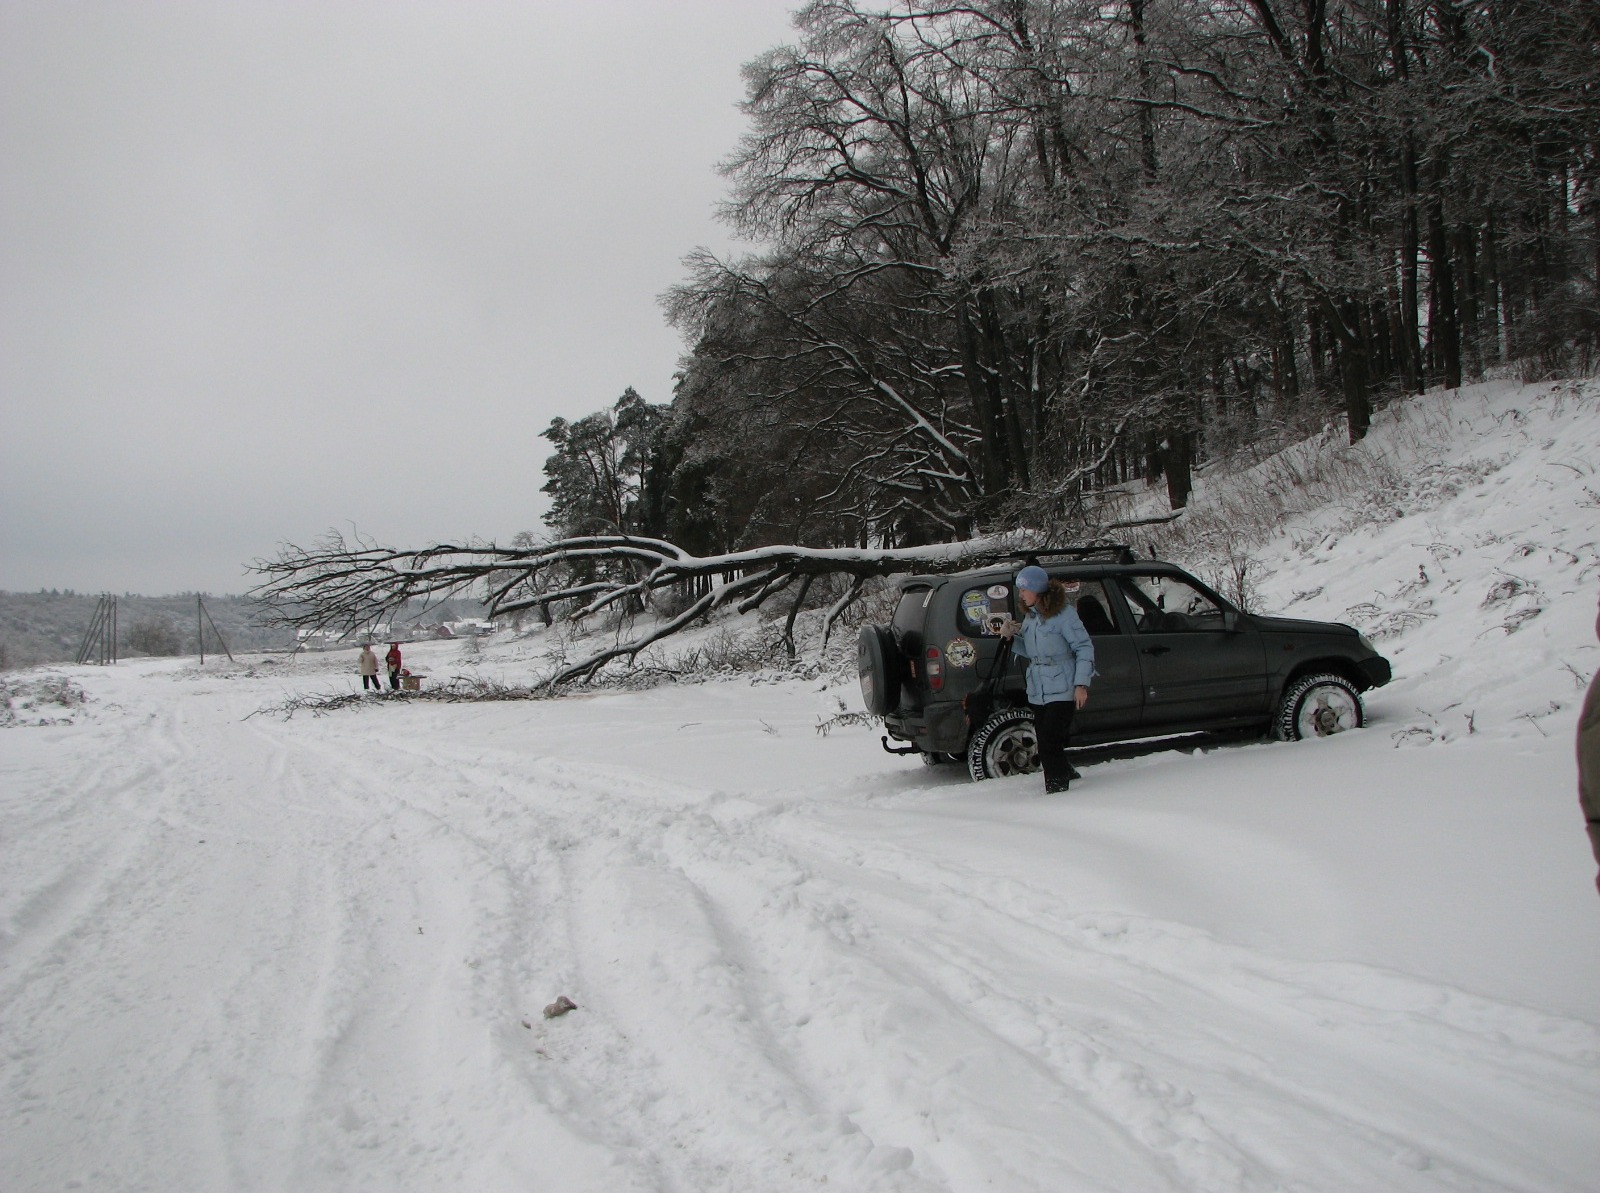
[250, 952]
[1463, 535]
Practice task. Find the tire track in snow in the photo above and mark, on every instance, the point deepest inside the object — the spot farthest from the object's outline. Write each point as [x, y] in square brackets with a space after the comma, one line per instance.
[283, 1014]
[1151, 1077]
[879, 1014]
[679, 868]
[668, 871]
[1392, 1040]
[124, 981]
[62, 864]
[685, 986]
[214, 962]
[591, 1071]
[626, 1078]
[444, 861]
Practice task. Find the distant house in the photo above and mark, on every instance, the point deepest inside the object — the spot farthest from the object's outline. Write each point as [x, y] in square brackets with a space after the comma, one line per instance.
[323, 639]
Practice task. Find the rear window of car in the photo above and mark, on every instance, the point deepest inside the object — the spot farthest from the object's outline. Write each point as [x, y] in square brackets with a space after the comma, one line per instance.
[908, 613]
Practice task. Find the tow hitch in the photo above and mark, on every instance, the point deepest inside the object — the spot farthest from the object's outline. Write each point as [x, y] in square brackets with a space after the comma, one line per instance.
[897, 749]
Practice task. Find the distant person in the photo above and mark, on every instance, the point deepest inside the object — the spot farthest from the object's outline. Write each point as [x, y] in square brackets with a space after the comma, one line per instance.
[1589, 761]
[1060, 665]
[369, 669]
[392, 660]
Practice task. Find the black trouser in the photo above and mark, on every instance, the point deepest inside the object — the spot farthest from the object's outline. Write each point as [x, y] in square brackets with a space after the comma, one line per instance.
[373, 680]
[1052, 724]
[394, 678]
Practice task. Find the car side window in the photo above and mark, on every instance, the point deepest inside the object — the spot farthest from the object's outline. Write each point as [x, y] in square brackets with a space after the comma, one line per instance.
[984, 609]
[1093, 604]
[1168, 605]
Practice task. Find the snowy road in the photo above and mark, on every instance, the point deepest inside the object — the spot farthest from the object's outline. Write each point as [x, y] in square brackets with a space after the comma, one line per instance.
[258, 954]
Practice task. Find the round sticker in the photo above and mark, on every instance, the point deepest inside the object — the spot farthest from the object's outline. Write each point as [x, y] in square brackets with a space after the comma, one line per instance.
[1071, 585]
[999, 591]
[958, 652]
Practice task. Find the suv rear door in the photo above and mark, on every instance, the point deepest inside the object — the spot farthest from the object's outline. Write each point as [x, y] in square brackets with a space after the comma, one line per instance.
[907, 629]
[1197, 670]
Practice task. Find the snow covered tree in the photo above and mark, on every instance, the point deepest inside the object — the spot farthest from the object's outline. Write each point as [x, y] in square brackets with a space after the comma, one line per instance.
[1019, 250]
[600, 468]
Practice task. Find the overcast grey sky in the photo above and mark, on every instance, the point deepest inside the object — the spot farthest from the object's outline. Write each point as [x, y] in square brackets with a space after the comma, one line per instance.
[269, 268]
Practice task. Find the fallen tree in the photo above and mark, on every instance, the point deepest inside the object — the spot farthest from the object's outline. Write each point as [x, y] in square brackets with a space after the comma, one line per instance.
[343, 585]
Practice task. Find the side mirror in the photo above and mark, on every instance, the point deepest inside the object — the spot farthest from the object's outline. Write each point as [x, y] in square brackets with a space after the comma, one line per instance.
[1230, 621]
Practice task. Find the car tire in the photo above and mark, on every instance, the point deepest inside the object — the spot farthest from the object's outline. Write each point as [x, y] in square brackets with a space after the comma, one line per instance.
[1318, 706]
[939, 758]
[1005, 744]
[878, 661]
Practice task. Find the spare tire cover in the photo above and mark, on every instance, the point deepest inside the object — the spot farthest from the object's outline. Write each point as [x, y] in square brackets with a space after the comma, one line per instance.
[878, 662]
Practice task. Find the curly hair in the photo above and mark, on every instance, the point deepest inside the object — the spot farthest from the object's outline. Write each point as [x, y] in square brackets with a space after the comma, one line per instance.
[1052, 600]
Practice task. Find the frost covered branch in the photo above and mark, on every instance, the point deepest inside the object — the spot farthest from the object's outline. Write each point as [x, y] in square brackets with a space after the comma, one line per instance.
[340, 584]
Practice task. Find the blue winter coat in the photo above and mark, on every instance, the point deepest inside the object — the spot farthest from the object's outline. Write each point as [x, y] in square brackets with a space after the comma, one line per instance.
[1060, 655]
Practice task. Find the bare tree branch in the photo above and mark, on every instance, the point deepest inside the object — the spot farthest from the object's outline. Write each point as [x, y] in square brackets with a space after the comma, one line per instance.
[345, 585]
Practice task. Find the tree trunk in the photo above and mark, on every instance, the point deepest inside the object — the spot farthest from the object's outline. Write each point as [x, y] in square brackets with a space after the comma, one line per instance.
[1177, 461]
[1444, 324]
[1147, 117]
[992, 463]
[1410, 350]
[1354, 371]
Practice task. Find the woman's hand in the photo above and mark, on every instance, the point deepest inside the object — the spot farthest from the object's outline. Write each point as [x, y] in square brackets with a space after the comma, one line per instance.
[1009, 627]
[1080, 695]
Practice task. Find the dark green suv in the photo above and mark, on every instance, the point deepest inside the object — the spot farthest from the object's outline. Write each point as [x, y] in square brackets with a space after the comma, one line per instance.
[1171, 657]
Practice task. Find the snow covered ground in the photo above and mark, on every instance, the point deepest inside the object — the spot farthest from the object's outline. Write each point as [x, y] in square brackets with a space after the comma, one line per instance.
[255, 953]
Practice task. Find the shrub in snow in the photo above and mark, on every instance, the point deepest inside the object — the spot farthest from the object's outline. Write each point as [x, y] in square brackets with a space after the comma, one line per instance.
[39, 700]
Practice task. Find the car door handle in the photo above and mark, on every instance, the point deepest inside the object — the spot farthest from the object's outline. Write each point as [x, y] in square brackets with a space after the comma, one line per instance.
[1157, 649]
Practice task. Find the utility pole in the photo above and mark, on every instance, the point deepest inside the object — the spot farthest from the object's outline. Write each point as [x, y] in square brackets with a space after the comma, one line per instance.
[201, 612]
[100, 640]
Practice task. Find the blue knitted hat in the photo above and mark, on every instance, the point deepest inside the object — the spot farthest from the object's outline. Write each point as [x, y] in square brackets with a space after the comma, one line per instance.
[1033, 578]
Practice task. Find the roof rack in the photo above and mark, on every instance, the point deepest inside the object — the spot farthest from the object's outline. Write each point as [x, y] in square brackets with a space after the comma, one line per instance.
[1116, 552]
[1112, 552]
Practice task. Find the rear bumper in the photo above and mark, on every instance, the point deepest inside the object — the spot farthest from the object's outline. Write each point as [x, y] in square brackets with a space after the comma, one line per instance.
[939, 728]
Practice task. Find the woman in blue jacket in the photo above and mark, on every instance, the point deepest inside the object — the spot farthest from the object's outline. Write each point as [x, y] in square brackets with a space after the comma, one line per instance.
[1060, 658]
